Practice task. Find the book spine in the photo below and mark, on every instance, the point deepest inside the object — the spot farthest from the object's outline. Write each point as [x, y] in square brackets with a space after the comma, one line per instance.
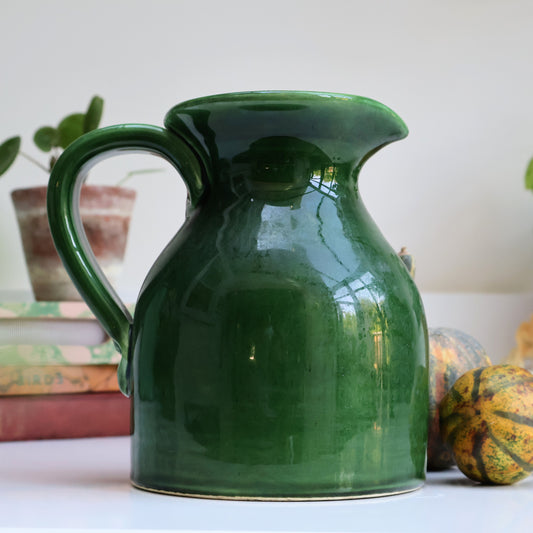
[53, 333]
[38, 355]
[100, 414]
[27, 380]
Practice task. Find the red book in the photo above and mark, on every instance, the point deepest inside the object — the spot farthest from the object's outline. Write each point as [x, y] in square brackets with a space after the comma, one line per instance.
[64, 416]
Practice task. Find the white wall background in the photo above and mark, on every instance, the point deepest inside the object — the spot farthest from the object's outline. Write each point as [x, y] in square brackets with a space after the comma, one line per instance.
[459, 72]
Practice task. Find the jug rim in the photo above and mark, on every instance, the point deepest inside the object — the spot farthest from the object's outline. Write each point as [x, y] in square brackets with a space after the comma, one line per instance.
[346, 129]
[279, 94]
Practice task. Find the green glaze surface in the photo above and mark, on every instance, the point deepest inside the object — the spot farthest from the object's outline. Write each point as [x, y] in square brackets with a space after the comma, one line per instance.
[279, 345]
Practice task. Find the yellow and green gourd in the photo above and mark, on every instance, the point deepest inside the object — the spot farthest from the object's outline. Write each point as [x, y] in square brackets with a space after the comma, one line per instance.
[487, 419]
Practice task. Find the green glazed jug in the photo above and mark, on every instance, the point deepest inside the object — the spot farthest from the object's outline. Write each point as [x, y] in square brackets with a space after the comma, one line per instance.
[278, 348]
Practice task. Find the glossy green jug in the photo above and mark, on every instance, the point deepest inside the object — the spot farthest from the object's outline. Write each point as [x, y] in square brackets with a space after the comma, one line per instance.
[279, 346]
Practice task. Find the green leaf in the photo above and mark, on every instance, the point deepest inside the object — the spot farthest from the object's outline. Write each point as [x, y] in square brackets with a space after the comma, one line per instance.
[529, 175]
[8, 153]
[94, 114]
[70, 128]
[46, 138]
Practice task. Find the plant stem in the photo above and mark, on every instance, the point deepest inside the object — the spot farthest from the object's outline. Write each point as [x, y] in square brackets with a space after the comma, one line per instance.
[136, 172]
[34, 161]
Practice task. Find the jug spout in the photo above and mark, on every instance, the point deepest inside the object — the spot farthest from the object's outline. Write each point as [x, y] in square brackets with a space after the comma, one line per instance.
[284, 137]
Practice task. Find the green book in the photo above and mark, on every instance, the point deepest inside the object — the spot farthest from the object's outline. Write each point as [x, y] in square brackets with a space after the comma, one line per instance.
[52, 333]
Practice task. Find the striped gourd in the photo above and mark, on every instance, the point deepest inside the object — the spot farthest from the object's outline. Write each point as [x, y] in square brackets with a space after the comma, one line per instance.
[487, 418]
[451, 354]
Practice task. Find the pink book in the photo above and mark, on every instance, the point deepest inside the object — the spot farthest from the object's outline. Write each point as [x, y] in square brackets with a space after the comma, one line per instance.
[67, 416]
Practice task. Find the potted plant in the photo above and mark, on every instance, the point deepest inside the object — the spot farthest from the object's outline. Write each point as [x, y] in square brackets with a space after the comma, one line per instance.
[528, 178]
[105, 210]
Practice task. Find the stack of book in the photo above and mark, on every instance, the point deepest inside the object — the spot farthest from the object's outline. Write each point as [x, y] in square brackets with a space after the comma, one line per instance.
[58, 374]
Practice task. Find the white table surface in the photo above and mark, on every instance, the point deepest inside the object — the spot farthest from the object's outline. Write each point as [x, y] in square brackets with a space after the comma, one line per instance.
[83, 485]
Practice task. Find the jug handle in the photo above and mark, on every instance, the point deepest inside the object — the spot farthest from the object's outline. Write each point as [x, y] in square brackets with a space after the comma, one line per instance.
[66, 180]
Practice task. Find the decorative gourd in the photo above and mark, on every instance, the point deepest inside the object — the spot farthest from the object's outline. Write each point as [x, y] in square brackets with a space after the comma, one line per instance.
[451, 354]
[487, 418]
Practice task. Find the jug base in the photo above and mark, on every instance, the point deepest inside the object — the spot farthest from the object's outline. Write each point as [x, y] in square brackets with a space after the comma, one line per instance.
[354, 496]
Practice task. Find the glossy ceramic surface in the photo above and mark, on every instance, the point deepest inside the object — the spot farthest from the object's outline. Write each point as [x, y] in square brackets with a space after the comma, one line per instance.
[279, 345]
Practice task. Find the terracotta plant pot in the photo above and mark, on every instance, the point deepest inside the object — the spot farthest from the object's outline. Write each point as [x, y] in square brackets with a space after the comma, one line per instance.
[105, 212]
